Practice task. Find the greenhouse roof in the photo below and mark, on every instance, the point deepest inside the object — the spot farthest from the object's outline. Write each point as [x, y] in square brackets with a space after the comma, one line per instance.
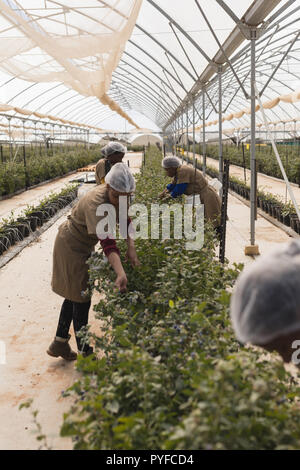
[104, 63]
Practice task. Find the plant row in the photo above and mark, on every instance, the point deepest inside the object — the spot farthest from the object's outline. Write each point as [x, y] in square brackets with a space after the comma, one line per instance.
[171, 373]
[15, 176]
[265, 157]
[14, 230]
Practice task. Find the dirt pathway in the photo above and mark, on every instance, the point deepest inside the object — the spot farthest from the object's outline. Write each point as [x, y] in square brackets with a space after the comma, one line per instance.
[29, 313]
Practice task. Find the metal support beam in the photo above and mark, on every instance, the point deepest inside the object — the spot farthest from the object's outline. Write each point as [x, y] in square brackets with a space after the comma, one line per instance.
[203, 133]
[184, 50]
[195, 44]
[194, 136]
[279, 64]
[182, 128]
[222, 49]
[166, 50]
[221, 163]
[187, 130]
[253, 122]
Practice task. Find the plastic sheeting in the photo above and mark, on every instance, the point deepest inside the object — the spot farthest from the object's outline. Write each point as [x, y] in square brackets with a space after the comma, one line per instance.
[81, 58]
[159, 66]
[27, 112]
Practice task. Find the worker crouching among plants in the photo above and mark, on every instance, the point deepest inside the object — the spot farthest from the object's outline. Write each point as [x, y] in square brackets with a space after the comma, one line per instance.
[74, 245]
[190, 181]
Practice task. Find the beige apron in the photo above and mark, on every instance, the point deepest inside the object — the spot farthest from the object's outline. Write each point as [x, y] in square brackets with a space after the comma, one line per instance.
[74, 244]
[198, 184]
[100, 171]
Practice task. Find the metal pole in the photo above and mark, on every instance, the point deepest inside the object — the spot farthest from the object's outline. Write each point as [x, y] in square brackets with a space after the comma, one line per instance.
[53, 144]
[253, 122]
[187, 130]
[194, 148]
[182, 142]
[175, 136]
[24, 158]
[10, 143]
[203, 129]
[221, 163]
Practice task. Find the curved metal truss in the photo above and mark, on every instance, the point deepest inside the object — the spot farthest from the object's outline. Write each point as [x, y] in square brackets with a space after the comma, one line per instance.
[175, 58]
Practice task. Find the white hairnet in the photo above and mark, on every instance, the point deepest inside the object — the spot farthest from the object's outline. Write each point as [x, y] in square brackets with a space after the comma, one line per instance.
[265, 303]
[113, 147]
[171, 162]
[120, 178]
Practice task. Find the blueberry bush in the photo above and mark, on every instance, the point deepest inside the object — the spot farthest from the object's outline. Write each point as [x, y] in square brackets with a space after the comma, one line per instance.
[43, 168]
[266, 160]
[169, 372]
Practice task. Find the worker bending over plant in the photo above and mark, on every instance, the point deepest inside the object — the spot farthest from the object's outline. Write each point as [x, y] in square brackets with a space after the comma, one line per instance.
[191, 181]
[74, 244]
[113, 153]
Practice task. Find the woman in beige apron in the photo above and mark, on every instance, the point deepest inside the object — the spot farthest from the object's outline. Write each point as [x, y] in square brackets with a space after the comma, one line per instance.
[188, 180]
[113, 153]
[74, 244]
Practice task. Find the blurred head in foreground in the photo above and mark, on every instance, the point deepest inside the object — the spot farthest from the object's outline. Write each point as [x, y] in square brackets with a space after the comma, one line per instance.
[265, 304]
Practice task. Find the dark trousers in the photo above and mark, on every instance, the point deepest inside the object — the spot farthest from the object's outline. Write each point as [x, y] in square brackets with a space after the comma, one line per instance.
[79, 313]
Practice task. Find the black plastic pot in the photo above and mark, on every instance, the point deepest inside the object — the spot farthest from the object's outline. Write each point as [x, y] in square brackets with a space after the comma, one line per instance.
[286, 220]
[294, 224]
[39, 216]
[12, 235]
[24, 225]
[33, 222]
[278, 213]
[274, 211]
[52, 208]
[46, 215]
[270, 207]
[4, 243]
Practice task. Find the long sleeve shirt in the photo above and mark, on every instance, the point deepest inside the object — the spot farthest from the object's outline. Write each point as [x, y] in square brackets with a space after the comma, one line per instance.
[176, 190]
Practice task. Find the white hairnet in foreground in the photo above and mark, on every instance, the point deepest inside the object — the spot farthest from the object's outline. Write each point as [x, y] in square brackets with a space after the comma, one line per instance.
[265, 303]
[120, 178]
[171, 162]
[113, 147]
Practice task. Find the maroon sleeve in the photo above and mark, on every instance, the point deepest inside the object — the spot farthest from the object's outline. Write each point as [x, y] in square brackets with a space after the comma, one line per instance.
[109, 246]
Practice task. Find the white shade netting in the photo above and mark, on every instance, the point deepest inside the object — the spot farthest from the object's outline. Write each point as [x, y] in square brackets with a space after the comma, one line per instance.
[79, 47]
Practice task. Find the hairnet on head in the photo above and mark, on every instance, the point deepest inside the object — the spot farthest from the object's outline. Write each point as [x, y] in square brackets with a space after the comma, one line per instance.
[171, 162]
[265, 303]
[113, 147]
[120, 178]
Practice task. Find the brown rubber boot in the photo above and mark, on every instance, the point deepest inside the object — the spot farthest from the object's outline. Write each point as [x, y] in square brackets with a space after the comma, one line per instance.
[60, 348]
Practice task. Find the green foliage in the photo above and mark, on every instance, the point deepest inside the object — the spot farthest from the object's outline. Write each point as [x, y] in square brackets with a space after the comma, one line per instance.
[266, 159]
[172, 375]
